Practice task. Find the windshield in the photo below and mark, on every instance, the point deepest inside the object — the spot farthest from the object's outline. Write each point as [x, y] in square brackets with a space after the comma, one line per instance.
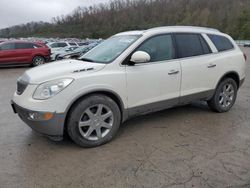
[110, 49]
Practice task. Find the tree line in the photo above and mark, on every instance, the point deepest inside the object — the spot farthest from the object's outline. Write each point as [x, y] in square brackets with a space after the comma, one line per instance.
[103, 20]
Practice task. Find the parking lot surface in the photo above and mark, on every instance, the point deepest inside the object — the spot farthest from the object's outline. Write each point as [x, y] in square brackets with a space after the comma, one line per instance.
[182, 147]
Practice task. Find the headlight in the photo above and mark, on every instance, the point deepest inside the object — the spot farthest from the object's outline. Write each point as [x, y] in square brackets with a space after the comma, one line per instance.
[51, 88]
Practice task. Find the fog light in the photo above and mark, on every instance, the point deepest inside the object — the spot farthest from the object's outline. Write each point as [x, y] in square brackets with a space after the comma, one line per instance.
[48, 116]
[40, 116]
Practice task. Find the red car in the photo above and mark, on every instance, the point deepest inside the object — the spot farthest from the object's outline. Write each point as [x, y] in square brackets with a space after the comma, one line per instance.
[23, 53]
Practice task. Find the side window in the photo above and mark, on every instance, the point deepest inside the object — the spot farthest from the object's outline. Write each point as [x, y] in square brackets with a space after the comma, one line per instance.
[61, 45]
[24, 46]
[8, 46]
[221, 43]
[206, 48]
[159, 48]
[36, 45]
[72, 44]
[54, 45]
[189, 45]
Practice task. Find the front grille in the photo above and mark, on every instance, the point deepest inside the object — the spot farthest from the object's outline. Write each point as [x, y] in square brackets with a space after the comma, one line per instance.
[21, 86]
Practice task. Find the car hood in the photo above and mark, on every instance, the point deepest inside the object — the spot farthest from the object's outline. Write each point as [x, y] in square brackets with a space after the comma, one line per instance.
[59, 69]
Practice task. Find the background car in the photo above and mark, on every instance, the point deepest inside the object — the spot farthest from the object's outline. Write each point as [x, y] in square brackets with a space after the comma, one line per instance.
[54, 46]
[247, 44]
[75, 54]
[83, 43]
[23, 53]
[64, 50]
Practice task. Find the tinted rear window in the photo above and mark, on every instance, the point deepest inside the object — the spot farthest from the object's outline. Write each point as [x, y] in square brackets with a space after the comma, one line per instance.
[24, 45]
[206, 48]
[61, 45]
[221, 43]
[72, 44]
[58, 45]
[54, 45]
[191, 45]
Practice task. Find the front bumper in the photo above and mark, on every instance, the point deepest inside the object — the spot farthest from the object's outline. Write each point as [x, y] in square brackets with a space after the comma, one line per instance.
[52, 128]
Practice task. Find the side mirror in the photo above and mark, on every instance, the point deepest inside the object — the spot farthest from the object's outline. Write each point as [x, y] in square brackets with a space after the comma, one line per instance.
[140, 57]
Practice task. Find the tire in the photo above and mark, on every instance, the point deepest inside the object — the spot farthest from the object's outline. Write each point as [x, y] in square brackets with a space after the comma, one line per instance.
[225, 96]
[56, 58]
[93, 121]
[38, 60]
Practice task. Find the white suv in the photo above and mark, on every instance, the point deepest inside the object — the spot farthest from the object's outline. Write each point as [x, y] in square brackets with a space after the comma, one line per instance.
[131, 73]
[54, 46]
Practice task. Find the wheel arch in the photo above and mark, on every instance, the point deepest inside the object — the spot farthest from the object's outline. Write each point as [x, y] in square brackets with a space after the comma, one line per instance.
[34, 56]
[231, 74]
[113, 95]
[37, 55]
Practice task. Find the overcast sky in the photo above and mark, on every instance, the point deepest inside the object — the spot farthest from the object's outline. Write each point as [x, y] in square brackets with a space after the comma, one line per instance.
[13, 12]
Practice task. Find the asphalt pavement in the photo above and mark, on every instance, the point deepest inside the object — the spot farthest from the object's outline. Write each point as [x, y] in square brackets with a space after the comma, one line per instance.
[183, 147]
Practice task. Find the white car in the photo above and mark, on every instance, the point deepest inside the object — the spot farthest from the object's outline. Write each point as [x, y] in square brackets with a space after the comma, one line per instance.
[54, 46]
[131, 73]
[57, 53]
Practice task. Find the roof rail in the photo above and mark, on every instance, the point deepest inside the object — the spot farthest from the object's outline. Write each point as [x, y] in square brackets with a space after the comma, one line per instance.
[194, 27]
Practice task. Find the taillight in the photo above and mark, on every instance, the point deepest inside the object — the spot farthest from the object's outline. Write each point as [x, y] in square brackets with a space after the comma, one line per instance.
[245, 56]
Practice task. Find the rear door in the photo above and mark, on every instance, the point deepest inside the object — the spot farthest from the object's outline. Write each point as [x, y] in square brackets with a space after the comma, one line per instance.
[198, 66]
[7, 53]
[24, 52]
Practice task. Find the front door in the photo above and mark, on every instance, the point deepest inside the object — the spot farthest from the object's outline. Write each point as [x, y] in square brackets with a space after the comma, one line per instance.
[154, 85]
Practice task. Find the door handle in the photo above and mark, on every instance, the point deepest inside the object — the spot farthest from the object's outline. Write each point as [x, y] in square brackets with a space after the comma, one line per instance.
[211, 65]
[173, 72]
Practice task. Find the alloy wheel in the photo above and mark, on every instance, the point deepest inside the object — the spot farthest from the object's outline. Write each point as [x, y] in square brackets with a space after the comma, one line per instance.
[227, 95]
[96, 122]
[39, 61]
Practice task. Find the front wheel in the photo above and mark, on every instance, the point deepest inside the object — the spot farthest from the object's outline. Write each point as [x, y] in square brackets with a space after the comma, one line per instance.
[225, 96]
[93, 121]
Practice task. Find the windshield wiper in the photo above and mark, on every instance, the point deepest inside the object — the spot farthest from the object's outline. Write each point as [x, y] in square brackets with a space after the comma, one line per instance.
[86, 59]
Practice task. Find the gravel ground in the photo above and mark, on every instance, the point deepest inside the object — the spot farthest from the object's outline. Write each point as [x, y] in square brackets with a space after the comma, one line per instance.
[182, 147]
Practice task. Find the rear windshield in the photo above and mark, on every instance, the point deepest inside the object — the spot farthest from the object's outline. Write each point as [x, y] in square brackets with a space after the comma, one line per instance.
[221, 43]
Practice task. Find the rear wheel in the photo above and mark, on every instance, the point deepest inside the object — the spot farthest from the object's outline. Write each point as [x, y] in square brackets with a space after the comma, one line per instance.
[225, 96]
[94, 121]
[38, 60]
